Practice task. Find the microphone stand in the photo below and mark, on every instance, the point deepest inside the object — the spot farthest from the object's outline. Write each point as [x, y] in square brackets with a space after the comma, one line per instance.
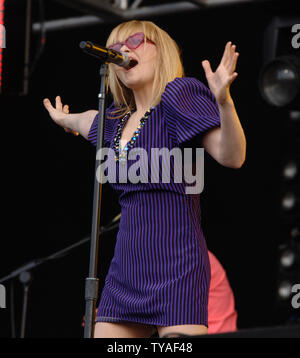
[92, 282]
[25, 276]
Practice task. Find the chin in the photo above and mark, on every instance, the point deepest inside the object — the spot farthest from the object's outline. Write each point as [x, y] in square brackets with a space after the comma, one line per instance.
[133, 84]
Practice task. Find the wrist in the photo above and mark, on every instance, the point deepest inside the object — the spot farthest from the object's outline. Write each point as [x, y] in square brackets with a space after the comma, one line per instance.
[226, 103]
[70, 122]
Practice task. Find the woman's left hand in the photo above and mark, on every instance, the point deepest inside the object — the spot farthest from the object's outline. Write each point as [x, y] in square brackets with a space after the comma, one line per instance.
[219, 81]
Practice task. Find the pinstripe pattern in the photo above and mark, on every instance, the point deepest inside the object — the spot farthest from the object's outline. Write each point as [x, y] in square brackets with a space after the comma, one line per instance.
[160, 270]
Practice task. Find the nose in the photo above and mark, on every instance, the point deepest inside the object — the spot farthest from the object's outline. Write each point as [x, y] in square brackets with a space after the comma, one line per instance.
[124, 48]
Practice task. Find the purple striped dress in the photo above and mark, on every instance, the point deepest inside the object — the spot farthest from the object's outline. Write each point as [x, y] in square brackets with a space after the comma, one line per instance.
[160, 273]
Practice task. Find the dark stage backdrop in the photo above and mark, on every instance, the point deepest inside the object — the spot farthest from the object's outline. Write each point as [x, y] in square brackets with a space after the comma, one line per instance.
[48, 174]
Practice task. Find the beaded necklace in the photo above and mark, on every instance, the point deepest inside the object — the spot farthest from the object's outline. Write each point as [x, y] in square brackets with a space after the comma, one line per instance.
[121, 155]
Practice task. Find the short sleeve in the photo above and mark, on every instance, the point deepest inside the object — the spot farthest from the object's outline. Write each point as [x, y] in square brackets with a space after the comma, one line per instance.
[108, 129]
[190, 109]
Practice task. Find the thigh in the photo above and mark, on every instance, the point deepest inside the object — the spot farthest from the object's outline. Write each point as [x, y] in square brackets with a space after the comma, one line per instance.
[185, 329]
[122, 330]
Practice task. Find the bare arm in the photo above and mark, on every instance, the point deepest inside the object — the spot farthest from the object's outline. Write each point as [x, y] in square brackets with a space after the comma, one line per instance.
[226, 144]
[77, 123]
[81, 122]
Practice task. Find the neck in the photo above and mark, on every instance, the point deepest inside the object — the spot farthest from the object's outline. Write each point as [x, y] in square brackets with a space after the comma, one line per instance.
[142, 99]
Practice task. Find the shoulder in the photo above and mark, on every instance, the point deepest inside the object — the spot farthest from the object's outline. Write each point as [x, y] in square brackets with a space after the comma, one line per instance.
[111, 120]
[185, 82]
[112, 115]
[111, 110]
[185, 86]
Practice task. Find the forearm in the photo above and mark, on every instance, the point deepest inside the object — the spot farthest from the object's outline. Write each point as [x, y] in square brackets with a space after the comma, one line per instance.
[81, 122]
[232, 149]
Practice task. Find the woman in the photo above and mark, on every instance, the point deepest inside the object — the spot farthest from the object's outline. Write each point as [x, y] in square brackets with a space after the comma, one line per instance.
[159, 275]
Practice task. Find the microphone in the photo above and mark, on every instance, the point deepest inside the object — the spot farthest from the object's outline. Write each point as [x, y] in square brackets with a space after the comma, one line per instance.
[105, 54]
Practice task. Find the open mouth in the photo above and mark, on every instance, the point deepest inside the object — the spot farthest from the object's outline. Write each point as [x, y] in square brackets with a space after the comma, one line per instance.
[131, 64]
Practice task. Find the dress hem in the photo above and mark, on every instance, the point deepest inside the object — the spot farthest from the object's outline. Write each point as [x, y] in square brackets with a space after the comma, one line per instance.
[123, 320]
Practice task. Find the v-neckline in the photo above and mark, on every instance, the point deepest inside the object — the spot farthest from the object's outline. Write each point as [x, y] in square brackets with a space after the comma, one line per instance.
[136, 133]
[122, 130]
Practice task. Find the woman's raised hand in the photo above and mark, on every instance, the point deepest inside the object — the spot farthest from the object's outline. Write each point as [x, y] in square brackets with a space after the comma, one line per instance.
[59, 114]
[219, 81]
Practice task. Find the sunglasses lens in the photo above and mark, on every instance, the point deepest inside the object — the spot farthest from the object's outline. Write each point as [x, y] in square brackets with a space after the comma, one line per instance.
[116, 47]
[132, 42]
[135, 40]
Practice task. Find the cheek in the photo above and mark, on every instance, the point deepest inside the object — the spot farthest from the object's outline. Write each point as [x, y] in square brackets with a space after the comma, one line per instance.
[151, 62]
[153, 66]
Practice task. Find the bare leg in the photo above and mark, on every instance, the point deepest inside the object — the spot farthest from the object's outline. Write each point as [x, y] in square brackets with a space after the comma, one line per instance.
[122, 330]
[186, 329]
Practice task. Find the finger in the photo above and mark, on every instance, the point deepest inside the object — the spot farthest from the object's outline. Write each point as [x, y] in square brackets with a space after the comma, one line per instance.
[232, 78]
[66, 109]
[232, 52]
[226, 54]
[207, 69]
[230, 57]
[48, 105]
[58, 103]
[233, 62]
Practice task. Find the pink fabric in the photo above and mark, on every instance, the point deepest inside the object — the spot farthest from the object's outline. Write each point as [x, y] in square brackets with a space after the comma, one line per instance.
[222, 316]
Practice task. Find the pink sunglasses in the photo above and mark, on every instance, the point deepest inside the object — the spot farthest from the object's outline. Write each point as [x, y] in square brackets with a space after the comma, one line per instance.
[132, 42]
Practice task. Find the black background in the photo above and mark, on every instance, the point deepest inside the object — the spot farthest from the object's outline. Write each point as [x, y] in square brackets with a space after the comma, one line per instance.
[48, 175]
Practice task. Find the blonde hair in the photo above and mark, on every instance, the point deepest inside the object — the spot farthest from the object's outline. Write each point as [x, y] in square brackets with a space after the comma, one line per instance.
[169, 64]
